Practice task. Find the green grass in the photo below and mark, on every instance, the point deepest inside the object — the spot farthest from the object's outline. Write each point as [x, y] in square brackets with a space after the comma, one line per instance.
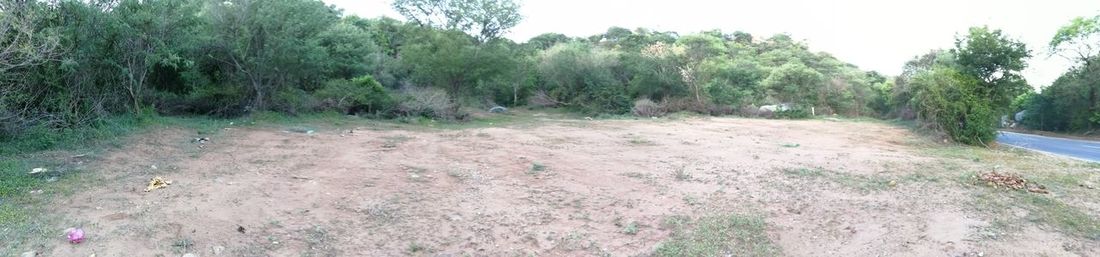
[717, 235]
[536, 168]
[1042, 209]
[863, 183]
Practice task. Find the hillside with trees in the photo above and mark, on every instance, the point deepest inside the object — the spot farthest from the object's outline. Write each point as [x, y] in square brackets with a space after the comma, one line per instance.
[72, 64]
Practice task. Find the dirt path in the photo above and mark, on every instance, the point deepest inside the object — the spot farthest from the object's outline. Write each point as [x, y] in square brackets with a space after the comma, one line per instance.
[561, 189]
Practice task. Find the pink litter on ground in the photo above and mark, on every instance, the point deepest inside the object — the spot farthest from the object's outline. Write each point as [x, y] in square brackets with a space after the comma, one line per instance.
[76, 235]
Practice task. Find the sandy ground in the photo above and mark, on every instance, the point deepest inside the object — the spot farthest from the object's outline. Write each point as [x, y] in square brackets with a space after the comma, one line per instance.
[562, 188]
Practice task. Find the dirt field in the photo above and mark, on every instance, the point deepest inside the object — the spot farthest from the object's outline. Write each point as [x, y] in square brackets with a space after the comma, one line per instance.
[696, 186]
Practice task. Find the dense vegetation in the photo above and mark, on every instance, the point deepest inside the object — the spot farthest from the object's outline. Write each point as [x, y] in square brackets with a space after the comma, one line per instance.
[71, 64]
[1071, 103]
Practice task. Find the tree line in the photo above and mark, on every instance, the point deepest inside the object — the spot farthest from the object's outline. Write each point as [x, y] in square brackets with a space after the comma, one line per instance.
[68, 64]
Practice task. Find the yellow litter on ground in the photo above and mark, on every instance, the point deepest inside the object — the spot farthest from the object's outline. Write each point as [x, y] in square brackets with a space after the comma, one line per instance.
[157, 183]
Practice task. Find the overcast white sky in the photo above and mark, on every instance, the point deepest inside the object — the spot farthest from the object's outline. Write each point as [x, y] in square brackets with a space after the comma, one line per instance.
[873, 34]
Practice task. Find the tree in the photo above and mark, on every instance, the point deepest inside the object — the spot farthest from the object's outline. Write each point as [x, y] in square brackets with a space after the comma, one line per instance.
[484, 19]
[950, 101]
[547, 40]
[695, 50]
[995, 61]
[735, 82]
[580, 75]
[271, 44]
[23, 44]
[151, 33]
[1079, 40]
[794, 83]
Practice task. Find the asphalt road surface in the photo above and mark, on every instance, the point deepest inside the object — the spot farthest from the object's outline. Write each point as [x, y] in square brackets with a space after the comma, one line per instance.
[1077, 149]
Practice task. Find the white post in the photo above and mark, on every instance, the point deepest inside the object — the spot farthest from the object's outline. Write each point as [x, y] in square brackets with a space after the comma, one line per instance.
[813, 112]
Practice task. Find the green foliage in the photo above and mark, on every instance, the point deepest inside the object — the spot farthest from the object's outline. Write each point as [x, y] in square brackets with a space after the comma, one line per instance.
[1072, 102]
[735, 83]
[995, 61]
[1077, 39]
[951, 102]
[1069, 104]
[794, 83]
[581, 76]
[717, 235]
[358, 95]
[484, 19]
[793, 114]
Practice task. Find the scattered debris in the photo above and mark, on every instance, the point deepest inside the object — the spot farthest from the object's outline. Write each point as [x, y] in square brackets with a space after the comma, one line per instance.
[157, 183]
[893, 183]
[78, 156]
[588, 118]
[29, 254]
[35, 192]
[788, 145]
[51, 179]
[115, 216]
[200, 140]
[240, 229]
[190, 255]
[38, 170]
[498, 109]
[1011, 181]
[75, 235]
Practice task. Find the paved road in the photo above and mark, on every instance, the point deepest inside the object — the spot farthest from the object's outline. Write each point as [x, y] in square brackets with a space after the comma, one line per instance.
[1078, 149]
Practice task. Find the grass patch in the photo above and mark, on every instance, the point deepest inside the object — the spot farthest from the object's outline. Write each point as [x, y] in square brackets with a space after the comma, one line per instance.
[859, 182]
[631, 228]
[637, 140]
[1041, 209]
[717, 235]
[1062, 216]
[681, 174]
[182, 245]
[536, 168]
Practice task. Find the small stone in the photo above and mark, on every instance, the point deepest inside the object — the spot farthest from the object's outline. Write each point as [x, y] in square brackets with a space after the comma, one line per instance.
[218, 249]
[29, 254]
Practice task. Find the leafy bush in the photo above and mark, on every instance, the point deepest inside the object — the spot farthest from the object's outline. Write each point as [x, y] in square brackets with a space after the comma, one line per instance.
[355, 96]
[948, 100]
[792, 114]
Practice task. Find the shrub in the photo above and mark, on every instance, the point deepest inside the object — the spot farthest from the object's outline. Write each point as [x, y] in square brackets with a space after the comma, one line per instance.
[426, 102]
[355, 96]
[600, 98]
[543, 99]
[682, 104]
[720, 110]
[949, 101]
[646, 108]
[217, 100]
[793, 113]
[750, 111]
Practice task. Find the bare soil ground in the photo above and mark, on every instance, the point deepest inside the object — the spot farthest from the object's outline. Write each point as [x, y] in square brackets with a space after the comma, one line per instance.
[698, 186]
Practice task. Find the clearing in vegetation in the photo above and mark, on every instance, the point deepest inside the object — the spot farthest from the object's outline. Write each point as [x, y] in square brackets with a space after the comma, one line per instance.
[549, 186]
